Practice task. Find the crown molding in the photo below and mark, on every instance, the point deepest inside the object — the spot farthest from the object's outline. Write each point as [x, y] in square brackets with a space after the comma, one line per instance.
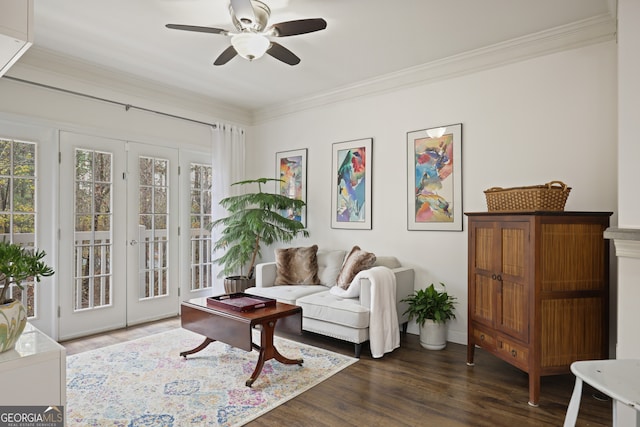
[46, 67]
[581, 33]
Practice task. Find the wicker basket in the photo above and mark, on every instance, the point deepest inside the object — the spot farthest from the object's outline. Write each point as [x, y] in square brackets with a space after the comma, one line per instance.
[548, 197]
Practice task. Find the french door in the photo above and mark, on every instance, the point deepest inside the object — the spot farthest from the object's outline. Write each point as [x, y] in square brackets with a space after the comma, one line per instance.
[118, 234]
[152, 247]
[196, 266]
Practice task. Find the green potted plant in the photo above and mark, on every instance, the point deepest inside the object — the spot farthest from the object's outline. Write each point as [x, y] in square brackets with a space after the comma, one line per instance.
[16, 265]
[431, 308]
[254, 219]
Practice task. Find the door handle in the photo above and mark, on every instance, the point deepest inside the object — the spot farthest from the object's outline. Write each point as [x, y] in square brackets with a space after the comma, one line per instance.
[133, 242]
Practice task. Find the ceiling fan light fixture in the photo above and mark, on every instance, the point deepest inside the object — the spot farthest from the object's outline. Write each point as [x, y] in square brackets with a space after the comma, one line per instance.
[253, 39]
[250, 45]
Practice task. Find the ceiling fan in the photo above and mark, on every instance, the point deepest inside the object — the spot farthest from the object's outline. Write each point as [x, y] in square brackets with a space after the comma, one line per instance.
[252, 38]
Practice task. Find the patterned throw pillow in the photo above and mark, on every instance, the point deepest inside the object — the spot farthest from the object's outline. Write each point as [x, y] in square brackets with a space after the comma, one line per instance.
[356, 261]
[297, 266]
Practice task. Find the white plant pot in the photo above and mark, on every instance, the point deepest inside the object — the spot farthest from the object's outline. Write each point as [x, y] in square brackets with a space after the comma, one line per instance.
[13, 319]
[433, 335]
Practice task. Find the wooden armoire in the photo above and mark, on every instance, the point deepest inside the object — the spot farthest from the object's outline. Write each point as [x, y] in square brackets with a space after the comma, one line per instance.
[539, 289]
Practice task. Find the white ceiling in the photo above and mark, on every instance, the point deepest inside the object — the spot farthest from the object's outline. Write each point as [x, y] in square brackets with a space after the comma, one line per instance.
[364, 40]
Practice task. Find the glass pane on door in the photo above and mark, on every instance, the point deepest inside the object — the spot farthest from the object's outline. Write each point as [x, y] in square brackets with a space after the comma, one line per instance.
[93, 239]
[153, 227]
[201, 261]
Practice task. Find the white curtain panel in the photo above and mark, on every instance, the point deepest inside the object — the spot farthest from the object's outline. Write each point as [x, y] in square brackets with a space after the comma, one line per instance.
[228, 152]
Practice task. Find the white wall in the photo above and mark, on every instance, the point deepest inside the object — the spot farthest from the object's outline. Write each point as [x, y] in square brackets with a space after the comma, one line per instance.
[548, 118]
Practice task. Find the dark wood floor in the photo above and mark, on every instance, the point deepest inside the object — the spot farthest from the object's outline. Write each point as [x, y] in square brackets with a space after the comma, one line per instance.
[410, 387]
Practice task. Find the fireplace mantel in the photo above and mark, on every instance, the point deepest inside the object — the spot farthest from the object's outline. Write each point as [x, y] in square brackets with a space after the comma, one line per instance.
[626, 241]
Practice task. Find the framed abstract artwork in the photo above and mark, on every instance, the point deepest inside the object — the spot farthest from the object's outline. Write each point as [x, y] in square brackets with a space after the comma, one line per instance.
[291, 169]
[351, 184]
[434, 179]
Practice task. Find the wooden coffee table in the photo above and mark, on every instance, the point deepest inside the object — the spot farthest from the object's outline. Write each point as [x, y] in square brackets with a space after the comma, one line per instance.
[234, 328]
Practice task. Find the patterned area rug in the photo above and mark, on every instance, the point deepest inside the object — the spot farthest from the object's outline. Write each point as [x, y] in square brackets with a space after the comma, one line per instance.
[145, 382]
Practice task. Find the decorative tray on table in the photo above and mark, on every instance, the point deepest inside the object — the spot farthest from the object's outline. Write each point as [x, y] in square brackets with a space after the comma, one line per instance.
[240, 301]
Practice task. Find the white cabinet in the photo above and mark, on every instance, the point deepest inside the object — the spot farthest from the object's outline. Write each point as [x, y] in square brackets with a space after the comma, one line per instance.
[36, 368]
[16, 31]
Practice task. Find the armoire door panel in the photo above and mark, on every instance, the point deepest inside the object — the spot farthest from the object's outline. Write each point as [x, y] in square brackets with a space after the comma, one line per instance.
[513, 253]
[513, 310]
[484, 301]
[484, 242]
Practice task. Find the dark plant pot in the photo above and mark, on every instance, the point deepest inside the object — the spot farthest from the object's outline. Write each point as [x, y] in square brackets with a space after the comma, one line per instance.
[233, 284]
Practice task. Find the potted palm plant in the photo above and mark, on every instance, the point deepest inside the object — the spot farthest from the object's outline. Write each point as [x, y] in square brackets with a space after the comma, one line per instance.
[16, 265]
[431, 308]
[254, 219]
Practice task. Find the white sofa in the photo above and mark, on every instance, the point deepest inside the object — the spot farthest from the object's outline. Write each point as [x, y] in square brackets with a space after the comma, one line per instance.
[324, 313]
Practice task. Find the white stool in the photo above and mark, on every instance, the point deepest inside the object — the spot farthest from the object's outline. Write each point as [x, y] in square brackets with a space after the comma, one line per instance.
[617, 378]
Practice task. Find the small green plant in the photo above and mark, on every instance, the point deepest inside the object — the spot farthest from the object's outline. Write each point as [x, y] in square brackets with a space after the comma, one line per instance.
[254, 219]
[17, 264]
[430, 304]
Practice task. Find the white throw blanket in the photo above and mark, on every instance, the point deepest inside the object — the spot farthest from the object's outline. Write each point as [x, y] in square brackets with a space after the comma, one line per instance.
[384, 333]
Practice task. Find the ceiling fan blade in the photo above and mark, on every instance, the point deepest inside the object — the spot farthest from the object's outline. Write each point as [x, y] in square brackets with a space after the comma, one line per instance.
[226, 56]
[198, 29]
[300, 26]
[243, 10]
[283, 54]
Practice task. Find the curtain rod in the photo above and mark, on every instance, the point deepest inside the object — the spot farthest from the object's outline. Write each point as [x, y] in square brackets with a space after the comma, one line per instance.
[127, 107]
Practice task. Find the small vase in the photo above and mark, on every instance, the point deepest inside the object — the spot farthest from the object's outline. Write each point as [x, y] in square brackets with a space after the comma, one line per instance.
[13, 319]
[433, 335]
